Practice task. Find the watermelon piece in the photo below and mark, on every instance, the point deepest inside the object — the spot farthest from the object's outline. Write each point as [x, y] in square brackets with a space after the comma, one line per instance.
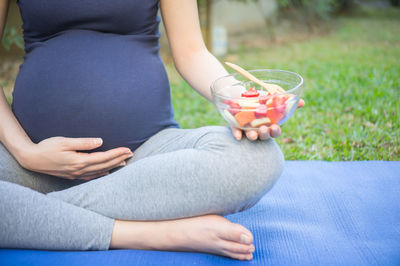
[252, 92]
[263, 99]
[279, 103]
[261, 111]
[234, 107]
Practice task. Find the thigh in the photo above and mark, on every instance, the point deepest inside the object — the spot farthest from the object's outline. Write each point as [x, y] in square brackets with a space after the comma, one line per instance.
[11, 171]
[187, 173]
[173, 139]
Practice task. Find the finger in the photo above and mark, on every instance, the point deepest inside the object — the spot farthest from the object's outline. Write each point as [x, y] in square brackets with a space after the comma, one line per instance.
[105, 166]
[237, 133]
[81, 144]
[93, 173]
[301, 103]
[251, 134]
[58, 174]
[71, 177]
[105, 156]
[275, 131]
[93, 176]
[263, 133]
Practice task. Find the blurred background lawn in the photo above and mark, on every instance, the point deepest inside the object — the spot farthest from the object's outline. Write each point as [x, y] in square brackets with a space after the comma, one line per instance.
[351, 65]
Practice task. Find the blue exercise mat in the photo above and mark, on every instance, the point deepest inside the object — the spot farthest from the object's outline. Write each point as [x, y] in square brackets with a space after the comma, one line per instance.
[318, 213]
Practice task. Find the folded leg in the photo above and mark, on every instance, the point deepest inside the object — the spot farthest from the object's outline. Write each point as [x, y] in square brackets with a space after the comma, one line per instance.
[30, 219]
[181, 173]
[33, 220]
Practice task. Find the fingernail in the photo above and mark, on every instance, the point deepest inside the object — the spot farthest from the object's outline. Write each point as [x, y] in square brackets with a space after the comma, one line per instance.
[123, 163]
[130, 155]
[252, 249]
[98, 141]
[264, 136]
[245, 239]
[278, 132]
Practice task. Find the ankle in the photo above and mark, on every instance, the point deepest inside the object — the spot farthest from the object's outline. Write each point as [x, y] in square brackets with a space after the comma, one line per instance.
[149, 235]
[128, 234]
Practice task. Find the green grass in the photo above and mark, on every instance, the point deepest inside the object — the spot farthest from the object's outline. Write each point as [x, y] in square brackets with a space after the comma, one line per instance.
[352, 91]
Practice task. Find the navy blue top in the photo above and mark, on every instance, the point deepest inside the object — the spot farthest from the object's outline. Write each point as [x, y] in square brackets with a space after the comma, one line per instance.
[92, 69]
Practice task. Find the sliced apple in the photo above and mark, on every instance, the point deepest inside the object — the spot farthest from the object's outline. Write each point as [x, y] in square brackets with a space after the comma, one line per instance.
[248, 103]
[260, 121]
[231, 118]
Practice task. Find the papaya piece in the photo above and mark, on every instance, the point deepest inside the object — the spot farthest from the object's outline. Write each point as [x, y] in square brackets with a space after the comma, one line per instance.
[274, 115]
[245, 117]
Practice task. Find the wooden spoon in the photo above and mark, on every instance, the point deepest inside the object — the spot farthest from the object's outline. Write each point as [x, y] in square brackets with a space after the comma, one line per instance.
[271, 88]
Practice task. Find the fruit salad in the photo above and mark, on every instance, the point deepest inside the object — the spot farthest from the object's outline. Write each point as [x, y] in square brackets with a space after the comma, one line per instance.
[256, 108]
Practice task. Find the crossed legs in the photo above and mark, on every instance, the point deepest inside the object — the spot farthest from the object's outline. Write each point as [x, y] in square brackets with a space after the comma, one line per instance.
[176, 174]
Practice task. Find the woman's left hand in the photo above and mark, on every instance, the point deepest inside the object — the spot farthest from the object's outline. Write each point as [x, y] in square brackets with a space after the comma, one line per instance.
[263, 133]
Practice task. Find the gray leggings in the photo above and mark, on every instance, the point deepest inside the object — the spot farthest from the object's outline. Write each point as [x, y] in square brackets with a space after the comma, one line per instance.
[176, 173]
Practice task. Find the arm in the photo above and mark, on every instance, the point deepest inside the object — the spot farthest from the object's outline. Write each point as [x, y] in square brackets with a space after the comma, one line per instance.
[14, 138]
[56, 156]
[192, 59]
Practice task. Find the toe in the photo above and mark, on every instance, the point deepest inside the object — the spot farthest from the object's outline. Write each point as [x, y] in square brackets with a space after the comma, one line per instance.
[235, 247]
[238, 256]
[237, 233]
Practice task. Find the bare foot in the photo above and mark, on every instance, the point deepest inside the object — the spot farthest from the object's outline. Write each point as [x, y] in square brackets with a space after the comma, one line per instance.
[209, 233]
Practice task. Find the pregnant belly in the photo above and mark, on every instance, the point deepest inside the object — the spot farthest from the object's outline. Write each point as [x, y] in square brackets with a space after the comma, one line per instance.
[91, 84]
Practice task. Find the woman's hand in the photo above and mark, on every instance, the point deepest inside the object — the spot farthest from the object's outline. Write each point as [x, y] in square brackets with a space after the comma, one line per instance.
[263, 132]
[60, 156]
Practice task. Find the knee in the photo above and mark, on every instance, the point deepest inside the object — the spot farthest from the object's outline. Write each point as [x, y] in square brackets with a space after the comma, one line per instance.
[247, 169]
[254, 172]
[268, 162]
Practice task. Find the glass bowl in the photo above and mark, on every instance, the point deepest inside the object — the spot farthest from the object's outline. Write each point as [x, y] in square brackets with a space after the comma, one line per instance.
[262, 108]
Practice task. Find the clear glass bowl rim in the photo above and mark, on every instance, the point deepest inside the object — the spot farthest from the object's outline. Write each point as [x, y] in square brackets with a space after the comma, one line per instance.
[258, 70]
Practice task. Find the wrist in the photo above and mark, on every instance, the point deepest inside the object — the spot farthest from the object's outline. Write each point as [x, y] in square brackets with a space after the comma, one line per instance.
[23, 153]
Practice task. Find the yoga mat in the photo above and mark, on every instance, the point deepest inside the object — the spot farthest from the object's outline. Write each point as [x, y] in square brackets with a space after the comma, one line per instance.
[318, 213]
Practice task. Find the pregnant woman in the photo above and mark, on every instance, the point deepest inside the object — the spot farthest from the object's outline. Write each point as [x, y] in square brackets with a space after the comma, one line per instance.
[91, 157]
